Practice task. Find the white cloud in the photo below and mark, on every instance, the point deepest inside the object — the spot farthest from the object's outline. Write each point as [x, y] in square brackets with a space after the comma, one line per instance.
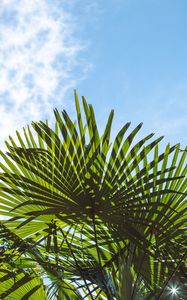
[38, 54]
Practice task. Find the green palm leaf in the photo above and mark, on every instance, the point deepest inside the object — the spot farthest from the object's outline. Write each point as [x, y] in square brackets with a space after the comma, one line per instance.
[107, 219]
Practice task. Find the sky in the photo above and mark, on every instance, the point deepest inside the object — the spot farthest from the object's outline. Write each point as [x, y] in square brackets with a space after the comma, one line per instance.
[126, 55]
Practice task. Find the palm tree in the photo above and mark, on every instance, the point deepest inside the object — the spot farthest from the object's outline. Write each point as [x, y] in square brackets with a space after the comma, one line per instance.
[87, 218]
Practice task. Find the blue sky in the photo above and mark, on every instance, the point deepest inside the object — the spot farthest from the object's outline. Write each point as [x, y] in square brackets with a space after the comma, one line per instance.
[140, 67]
[128, 55]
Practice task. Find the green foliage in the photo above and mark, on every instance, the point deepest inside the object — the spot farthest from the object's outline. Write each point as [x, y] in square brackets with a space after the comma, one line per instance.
[89, 218]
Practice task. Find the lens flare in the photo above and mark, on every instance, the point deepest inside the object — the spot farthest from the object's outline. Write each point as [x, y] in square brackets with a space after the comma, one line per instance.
[173, 290]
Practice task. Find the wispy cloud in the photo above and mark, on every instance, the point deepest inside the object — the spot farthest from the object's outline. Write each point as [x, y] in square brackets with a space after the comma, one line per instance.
[38, 57]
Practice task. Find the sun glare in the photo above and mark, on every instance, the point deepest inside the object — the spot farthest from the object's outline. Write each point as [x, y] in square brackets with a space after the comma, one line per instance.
[174, 291]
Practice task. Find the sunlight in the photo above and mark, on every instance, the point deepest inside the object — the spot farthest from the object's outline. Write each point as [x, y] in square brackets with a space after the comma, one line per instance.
[174, 291]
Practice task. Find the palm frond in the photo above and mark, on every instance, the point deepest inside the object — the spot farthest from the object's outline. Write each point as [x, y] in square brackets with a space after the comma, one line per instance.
[101, 219]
